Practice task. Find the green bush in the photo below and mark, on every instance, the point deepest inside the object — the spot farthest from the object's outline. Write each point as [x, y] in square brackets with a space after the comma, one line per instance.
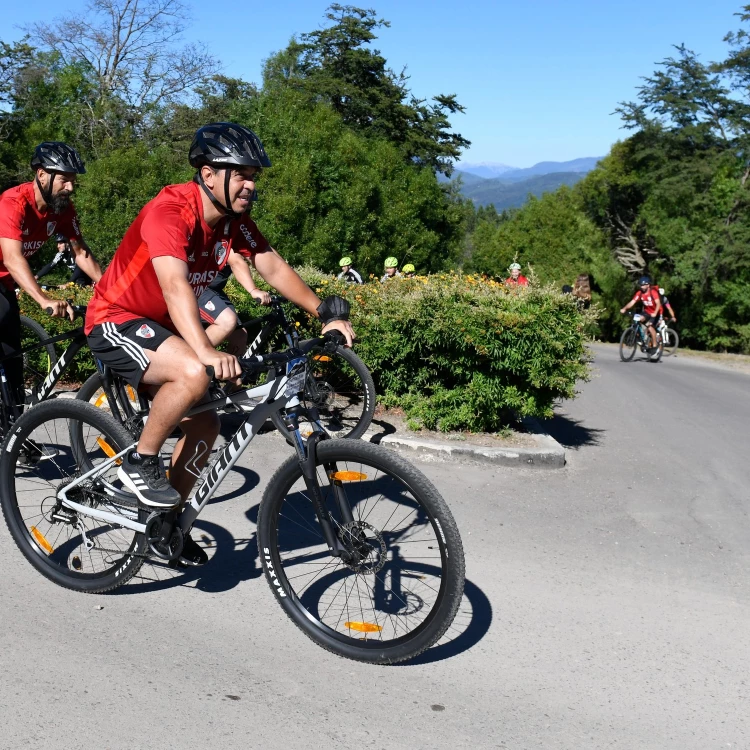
[454, 352]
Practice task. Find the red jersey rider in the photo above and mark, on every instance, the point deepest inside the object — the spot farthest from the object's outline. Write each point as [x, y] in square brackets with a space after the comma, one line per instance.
[648, 296]
[144, 322]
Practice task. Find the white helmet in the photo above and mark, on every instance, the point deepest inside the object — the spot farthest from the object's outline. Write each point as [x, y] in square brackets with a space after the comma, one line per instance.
[514, 267]
[661, 290]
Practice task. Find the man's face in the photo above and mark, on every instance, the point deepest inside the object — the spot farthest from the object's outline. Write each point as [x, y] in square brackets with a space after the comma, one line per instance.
[241, 186]
[61, 247]
[515, 273]
[645, 287]
[63, 185]
[345, 269]
[391, 271]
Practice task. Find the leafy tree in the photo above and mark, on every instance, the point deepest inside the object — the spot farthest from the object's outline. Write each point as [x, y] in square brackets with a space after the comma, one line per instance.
[336, 64]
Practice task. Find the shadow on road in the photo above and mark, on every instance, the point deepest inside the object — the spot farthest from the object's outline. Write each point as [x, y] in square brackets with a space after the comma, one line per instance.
[472, 622]
[572, 433]
[233, 561]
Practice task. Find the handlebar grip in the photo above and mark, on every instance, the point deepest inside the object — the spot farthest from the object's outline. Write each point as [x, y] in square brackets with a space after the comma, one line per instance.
[210, 371]
[335, 337]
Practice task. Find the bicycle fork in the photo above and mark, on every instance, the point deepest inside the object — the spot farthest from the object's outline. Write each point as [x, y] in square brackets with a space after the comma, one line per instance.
[307, 455]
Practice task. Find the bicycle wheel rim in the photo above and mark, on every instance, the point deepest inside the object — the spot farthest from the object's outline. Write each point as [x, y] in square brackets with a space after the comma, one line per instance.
[58, 548]
[356, 611]
[628, 344]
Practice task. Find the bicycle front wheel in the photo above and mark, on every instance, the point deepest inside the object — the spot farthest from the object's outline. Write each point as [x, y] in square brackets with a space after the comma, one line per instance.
[671, 341]
[341, 388]
[399, 590]
[70, 547]
[628, 344]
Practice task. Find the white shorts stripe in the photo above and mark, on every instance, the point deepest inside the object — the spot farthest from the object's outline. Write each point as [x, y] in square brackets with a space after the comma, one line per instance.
[130, 347]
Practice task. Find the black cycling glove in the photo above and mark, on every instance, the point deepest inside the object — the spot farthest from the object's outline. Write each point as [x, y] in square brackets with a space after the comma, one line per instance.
[333, 308]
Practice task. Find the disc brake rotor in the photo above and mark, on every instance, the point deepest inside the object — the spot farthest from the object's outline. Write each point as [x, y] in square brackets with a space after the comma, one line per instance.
[366, 545]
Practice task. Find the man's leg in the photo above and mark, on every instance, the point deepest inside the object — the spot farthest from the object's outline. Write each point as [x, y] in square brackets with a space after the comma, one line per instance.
[10, 343]
[222, 327]
[192, 451]
[182, 378]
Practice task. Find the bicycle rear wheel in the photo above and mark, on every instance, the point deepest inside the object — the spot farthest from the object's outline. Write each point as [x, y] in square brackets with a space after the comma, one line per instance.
[71, 548]
[402, 593]
[671, 341]
[37, 364]
[341, 388]
[628, 344]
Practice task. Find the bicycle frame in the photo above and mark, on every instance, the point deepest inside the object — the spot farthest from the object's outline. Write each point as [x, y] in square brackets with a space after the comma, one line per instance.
[49, 383]
[213, 474]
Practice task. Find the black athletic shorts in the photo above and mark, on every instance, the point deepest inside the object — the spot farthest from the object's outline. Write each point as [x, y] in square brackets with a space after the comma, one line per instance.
[211, 304]
[121, 346]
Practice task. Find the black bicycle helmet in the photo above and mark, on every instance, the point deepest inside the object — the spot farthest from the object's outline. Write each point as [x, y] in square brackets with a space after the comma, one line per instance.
[644, 280]
[222, 145]
[55, 156]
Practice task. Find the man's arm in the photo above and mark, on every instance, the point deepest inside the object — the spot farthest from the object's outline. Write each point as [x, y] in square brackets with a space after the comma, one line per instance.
[244, 275]
[85, 260]
[281, 276]
[21, 272]
[629, 305]
[44, 270]
[172, 274]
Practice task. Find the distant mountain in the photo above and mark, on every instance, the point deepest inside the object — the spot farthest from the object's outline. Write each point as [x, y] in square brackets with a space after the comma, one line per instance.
[486, 169]
[582, 165]
[505, 194]
[467, 178]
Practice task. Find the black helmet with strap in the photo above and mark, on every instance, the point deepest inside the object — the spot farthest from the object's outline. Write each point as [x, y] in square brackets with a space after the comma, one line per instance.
[55, 156]
[223, 145]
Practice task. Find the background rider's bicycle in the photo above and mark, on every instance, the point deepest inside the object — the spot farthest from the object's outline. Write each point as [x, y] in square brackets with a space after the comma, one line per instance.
[636, 335]
[669, 336]
[338, 384]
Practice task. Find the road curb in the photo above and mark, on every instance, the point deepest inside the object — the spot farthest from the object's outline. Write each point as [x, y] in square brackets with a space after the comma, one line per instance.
[549, 455]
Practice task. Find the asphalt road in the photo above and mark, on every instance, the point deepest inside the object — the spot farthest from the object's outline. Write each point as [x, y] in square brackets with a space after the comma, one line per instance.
[606, 606]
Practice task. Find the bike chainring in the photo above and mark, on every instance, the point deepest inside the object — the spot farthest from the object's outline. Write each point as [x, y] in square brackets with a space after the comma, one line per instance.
[365, 545]
[172, 549]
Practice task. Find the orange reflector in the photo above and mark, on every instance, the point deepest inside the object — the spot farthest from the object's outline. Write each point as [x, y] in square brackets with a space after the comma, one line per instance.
[41, 541]
[348, 476]
[363, 627]
[108, 449]
[100, 401]
[322, 358]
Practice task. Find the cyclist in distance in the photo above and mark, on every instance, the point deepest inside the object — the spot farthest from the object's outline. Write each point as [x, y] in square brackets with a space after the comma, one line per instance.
[65, 256]
[409, 271]
[30, 214]
[391, 269]
[648, 296]
[666, 306]
[143, 319]
[347, 272]
[515, 278]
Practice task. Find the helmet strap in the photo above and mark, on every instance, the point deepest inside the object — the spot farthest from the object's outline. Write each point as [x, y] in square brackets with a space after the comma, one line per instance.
[46, 192]
[216, 202]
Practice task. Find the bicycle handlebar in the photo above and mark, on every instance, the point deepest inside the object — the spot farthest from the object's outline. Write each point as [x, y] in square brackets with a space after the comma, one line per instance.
[79, 311]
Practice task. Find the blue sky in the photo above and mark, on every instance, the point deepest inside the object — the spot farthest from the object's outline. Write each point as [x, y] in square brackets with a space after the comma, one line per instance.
[539, 79]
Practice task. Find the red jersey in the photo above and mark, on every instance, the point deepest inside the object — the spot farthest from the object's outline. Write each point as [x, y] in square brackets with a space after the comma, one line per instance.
[649, 299]
[21, 220]
[171, 224]
[520, 281]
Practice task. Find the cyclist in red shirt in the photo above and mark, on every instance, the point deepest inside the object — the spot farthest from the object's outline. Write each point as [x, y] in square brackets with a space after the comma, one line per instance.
[515, 278]
[30, 214]
[143, 320]
[649, 298]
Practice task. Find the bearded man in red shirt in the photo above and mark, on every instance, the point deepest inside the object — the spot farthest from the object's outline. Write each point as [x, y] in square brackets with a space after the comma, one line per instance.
[30, 214]
[144, 322]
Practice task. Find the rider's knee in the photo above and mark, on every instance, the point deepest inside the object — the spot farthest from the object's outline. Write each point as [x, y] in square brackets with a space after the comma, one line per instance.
[194, 375]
